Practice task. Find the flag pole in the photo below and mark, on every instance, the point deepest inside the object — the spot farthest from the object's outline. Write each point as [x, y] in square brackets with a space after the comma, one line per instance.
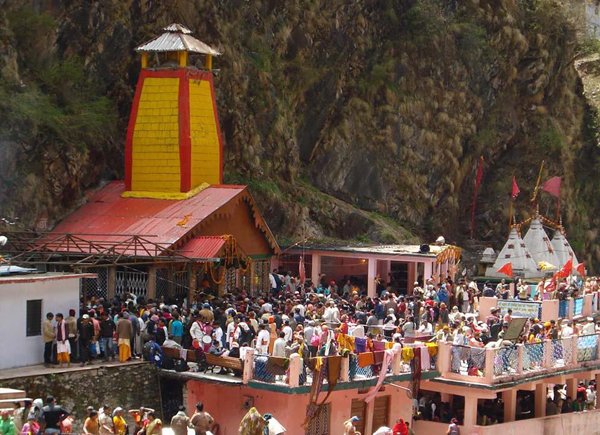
[537, 184]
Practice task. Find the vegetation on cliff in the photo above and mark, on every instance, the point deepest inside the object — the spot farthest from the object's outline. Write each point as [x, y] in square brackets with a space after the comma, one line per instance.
[352, 120]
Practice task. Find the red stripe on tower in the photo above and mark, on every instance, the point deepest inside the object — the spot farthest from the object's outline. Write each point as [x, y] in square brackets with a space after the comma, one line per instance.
[185, 140]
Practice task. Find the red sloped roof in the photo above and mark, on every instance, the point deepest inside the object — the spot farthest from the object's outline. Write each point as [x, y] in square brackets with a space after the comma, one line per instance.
[108, 217]
[203, 247]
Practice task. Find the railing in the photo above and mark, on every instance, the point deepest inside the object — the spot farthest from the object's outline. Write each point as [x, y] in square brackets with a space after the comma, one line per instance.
[533, 356]
[507, 363]
[467, 360]
[577, 306]
[563, 309]
[547, 309]
[295, 372]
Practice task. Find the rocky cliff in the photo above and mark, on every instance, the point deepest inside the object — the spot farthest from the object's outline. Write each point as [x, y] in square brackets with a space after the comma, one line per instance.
[348, 120]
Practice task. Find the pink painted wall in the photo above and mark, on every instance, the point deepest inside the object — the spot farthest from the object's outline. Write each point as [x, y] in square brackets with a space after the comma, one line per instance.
[485, 304]
[578, 423]
[225, 404]
[338, 267]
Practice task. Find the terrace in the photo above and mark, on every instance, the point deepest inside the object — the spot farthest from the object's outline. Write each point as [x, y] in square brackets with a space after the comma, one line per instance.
[295, 376]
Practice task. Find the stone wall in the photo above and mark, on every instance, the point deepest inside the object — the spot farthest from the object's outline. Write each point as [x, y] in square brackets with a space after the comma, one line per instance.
[129, 386]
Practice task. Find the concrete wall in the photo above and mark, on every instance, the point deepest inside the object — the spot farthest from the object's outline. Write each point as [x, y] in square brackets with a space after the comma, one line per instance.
[129, 386]
[58, 294]
[577, 423]
[225, 404]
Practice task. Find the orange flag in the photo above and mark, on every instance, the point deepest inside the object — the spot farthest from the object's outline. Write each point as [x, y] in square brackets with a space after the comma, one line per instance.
[566, 270]
[506, 269]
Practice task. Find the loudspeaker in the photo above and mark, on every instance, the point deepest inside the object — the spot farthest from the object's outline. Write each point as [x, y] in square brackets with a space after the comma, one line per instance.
[424, 249]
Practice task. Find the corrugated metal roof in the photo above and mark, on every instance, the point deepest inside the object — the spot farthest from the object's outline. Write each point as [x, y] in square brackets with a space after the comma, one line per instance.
[203, 247]
[108, 217]
[176, 41]
[176, 27]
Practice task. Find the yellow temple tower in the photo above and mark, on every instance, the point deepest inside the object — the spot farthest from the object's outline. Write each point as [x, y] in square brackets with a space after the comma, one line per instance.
[174, 146]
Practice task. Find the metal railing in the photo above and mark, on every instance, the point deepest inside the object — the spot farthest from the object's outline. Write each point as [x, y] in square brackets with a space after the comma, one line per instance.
[467, 360]
[519, 360]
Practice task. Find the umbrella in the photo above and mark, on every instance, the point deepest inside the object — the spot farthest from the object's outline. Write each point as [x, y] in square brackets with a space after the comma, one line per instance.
[544, 265]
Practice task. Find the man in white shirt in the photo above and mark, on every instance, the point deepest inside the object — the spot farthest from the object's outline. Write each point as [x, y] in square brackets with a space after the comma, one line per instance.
[287, 330]
[588, 327]
[332, 313]
[302, 309]
[567, 330]
[262, 340]
[309, 331]
[425, 327]
[279, 346]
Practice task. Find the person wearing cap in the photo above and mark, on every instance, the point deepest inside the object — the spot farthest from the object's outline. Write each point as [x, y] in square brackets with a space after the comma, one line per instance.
[349, 427]
[86, 339]
[180, 422]
[493, 318]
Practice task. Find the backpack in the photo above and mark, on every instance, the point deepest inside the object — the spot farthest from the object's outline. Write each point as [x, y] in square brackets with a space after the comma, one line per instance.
[246, 335]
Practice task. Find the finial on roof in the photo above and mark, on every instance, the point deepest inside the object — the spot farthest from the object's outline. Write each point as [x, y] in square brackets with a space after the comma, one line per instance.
[176, 42]
[178, 28]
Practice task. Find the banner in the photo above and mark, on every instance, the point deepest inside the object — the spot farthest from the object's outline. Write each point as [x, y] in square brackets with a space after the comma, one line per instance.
[520, 308]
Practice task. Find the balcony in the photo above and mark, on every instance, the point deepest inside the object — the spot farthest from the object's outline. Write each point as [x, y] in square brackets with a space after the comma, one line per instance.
[492, 366]
[294, 375]
[563, 424]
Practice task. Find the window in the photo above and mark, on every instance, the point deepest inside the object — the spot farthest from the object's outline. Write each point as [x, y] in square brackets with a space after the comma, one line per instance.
[34, 317]
[358, 408]
[319, 424]
[381, 411]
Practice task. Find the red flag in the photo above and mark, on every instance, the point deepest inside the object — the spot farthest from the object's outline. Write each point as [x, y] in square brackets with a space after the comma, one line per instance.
[566, 269]
[552, 186]
[506, 269]
[515, 189]
[581, 269]
[301, 270]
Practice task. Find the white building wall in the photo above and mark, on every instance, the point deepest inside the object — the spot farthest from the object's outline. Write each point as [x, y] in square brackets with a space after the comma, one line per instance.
[58, 294]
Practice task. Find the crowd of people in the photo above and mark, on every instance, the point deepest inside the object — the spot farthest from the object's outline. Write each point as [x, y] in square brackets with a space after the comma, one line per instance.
[49, 418]
[304, 318]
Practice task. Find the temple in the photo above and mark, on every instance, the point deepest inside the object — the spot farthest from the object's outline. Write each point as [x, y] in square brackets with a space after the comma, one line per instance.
[171, 225]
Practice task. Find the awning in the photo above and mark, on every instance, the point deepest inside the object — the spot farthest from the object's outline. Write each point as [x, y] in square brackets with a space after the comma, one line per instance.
[203, 248]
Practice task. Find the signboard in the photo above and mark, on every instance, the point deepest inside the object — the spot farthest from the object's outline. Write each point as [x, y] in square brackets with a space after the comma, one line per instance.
[515, 327]
[520, 308]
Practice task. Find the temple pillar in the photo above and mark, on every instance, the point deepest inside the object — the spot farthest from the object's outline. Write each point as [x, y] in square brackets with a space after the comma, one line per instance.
[412, 276]
[597, 383]
[509, 397]
[427, 270]
[572, 388]
[541, 393]
[371, 273]
[151, 285]
[370, 407]
[111, 288]
[470, 419]
[315, 269]
[192, 283]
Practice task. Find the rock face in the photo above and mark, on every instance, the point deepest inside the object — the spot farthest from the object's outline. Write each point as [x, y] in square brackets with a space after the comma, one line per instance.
[353, 120]
[129, 386]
